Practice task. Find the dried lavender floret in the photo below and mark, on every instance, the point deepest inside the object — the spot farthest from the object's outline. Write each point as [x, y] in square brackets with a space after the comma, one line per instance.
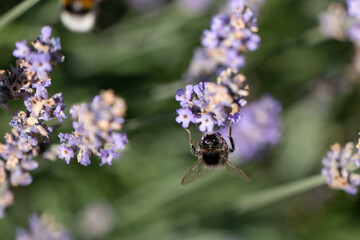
[335, 168]
[211, 104]
[42, 228]
[260, 127]
[94, 130]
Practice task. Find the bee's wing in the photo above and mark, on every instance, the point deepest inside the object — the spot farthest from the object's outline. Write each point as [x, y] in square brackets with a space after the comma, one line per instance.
[196, 171]
[234, 171]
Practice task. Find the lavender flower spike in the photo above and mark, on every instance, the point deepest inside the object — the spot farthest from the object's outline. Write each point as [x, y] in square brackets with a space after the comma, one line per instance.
[94, 130]
[31, 73]
[230, 36]
[232, 32]
[212, 104]
[28, 81]
[335, 168]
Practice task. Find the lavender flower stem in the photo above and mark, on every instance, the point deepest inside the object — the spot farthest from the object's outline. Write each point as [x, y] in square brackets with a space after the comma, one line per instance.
[15, 12]
[242, 205]
[264, 198]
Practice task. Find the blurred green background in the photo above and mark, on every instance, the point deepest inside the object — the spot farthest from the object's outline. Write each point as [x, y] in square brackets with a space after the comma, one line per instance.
[142, 57]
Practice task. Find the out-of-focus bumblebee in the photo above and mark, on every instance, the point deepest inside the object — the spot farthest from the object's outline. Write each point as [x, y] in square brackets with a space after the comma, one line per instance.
[212, 152]
[79, 15]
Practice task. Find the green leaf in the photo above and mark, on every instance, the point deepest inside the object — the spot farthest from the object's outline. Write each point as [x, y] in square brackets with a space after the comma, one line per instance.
[14, 13]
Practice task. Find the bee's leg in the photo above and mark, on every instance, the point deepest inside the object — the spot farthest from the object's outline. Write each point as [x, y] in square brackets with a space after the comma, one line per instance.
[232, 147]
[192, 148]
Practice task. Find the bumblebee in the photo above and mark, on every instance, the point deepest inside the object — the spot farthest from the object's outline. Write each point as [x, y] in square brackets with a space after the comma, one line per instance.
[79, 15]
[212, 152]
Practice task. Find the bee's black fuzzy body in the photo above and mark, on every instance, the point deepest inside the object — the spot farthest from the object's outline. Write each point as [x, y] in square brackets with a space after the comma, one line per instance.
[212, 150]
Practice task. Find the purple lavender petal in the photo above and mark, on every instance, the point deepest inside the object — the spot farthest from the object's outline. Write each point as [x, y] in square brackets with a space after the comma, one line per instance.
[22, 50]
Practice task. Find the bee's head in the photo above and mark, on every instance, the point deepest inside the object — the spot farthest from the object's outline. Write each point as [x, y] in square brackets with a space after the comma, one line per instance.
[211, 140]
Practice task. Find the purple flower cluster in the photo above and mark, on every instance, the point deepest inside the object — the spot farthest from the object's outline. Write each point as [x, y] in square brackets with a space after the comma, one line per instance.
[336, 166]
[42, 228]
[210, 104]
[259, 128]
[94, 126]
[28, 80]
[230, 36]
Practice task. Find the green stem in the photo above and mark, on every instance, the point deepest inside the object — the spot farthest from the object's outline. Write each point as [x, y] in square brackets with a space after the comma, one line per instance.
[15, 12]
[242, 205]
[257, 200]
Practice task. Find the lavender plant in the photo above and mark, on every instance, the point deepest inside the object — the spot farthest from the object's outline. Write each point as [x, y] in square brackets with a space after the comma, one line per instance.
[28, 80]
[134, 208]
[94, 130]
[43, 227]
[337, 168]
[230, 36]
[211, 105]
